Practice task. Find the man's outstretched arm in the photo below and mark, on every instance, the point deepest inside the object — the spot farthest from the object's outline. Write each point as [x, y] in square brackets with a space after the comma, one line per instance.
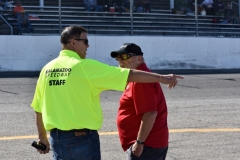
[147, 77]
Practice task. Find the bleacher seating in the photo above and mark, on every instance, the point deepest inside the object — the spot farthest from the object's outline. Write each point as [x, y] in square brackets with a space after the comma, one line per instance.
[159, 22]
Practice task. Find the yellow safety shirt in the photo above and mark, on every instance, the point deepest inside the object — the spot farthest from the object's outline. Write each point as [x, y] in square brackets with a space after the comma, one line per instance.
[68, 91]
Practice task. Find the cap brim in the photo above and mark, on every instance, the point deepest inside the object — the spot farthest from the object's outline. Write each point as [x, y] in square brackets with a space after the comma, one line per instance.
[114, 54]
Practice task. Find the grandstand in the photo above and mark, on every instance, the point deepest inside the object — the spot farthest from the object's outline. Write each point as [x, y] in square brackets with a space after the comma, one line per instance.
[51, 20]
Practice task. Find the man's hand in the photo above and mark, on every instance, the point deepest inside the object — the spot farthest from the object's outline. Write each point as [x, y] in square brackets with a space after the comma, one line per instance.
[137, 149]
[171, 80]
[46, 143]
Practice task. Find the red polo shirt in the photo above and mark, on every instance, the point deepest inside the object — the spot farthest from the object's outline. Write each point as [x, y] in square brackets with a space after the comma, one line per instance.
[137, 99]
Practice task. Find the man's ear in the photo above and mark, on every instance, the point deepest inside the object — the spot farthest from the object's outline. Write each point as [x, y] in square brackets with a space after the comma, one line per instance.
[72, 42]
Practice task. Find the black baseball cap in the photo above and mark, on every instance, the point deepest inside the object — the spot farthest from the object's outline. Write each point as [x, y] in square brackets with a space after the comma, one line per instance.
[127, 48]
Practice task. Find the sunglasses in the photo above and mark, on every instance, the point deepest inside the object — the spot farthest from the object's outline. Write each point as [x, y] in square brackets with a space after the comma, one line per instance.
[84, 40]
[124, 56]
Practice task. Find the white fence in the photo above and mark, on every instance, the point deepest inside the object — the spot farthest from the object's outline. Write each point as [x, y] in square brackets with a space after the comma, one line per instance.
[31, 53]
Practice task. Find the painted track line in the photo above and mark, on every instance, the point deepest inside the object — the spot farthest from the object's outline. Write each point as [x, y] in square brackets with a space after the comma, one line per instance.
[115, 132]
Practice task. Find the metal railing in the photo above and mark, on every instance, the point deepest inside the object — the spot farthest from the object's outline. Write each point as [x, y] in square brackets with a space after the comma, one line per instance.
[11, 28]
[232, 2]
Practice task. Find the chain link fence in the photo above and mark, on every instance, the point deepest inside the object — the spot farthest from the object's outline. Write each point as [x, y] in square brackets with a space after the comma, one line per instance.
[121, 17]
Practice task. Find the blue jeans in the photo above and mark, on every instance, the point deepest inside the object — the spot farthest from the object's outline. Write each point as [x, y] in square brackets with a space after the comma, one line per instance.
[27, 24]
[74, 146]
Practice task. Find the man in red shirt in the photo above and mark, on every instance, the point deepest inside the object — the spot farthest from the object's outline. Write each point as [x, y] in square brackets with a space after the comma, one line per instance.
[142, 115]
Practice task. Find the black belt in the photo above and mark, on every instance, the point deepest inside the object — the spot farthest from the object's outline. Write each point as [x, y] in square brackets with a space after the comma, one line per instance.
[73, 130]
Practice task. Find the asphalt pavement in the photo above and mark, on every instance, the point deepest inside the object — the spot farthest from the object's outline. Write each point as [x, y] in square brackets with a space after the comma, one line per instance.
[203, 118]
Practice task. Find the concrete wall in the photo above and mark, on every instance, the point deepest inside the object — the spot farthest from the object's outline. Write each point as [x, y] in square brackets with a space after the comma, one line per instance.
[31, 53]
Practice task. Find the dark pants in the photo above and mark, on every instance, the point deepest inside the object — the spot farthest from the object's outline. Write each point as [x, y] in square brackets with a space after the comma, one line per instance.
[148, 153]
[75, 145]
[27, 24]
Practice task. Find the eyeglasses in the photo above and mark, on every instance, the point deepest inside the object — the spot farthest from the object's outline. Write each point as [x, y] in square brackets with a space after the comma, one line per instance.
[124, 56]
[84, 40]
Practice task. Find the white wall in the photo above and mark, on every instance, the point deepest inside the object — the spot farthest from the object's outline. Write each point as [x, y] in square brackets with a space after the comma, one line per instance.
[31, 53]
